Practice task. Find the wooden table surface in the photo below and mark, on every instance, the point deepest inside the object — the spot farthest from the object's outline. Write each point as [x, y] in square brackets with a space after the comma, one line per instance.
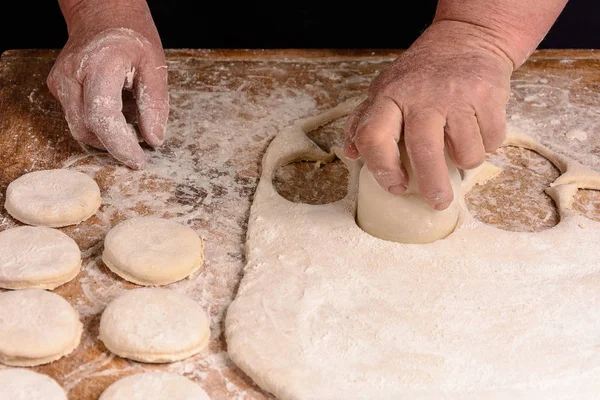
[225, 107]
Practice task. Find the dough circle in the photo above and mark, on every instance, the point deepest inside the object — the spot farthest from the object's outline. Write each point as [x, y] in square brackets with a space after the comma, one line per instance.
[36, 327]
[37, 257]
[152, 251]
[154, 325]
[407, 218]
[154, 386]
[18, 383]
[54, 198]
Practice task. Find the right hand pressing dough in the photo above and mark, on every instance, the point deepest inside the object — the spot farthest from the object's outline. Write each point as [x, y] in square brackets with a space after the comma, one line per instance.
[405, 218]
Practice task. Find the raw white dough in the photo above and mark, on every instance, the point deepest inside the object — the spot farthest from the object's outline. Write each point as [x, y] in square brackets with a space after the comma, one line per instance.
[152, 251]
[22, 384]
[54, 198]
[154, 325]
[154, 386]
[327, 311]
[36, 327]
[37, 257]
[406, 218]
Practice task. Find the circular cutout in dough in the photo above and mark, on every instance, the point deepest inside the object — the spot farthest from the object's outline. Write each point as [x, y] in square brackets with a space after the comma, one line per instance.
[152, 251]
[154, 386]
[154, 325]
[18, 383]
[37, 257]
[36, 327]
[54, 198]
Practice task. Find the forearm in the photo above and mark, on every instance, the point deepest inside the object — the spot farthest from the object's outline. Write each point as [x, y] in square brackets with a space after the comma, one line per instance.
[123, 13]
[513, 27]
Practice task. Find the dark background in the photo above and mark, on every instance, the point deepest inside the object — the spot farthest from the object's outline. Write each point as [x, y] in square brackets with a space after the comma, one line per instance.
[223, 24]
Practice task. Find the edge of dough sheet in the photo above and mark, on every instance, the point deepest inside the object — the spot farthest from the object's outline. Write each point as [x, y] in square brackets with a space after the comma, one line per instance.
[263, 321]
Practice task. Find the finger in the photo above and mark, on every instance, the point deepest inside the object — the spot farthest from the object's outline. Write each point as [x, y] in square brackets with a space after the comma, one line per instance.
[103, 104]
[492, 124]
[463, 139]
[376, 139]
[424, 139]
[70, 95]
[152, 97]
[350, 149]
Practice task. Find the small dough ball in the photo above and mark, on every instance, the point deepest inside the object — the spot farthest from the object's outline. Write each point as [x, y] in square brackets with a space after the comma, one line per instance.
[154, 325]
[406, 218]
[23, 384]
[154, 386]
[152, 251]
[36, 327]
[54, 198]
[37, 257]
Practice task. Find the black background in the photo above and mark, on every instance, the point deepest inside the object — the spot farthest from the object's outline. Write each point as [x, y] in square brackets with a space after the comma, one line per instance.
[223, 24]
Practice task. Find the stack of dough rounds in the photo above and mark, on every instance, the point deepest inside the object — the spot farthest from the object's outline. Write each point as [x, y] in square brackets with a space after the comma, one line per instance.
[36, 327]
[154, 325]
[152, 251]
[54, 198]
[154, 386]
[22, 384]
[37, 257]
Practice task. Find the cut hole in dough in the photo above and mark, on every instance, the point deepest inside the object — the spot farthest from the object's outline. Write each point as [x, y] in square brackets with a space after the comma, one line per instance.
[312, 182]
[154, 386]
[587, 203]
[54, 198]
[152, 251]
[22, 384]
[36, 327]
[154, 325]
[37, 257]
[515, 200]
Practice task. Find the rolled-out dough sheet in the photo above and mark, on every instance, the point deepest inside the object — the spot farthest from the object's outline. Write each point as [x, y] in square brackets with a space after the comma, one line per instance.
[326, 311]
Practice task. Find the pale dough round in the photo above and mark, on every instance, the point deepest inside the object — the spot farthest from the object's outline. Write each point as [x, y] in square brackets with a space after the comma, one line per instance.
[154, 386]
[154, 325]
[152, 251]
[405, 218]
[36, 327]
[37, 257]
[54, 198]
[23, 384]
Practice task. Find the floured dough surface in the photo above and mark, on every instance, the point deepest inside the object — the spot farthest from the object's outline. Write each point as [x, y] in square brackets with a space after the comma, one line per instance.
[152, 251]
[154, 325]
[23, 384]
[54, 198]
[37, 257]
[327, 311]
[154, 386]
[36, 327]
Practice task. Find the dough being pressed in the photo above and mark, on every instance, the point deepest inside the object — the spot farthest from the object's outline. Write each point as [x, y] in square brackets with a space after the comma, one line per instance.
[36, 327]
[327, 311]
[37, 257]
[154, 386]
[406, 218]
[154, 325]
[152, 251]
[54, 198]
[23, 384]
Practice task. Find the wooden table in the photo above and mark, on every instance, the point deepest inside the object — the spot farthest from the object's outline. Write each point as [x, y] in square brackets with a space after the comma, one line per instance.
[226, 106]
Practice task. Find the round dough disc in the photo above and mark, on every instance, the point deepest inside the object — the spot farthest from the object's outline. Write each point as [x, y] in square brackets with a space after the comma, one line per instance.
[154, 386]
[54, 198]
[152, 251]
[154, 325]
[36, 327]
[18, 383]
[37, 257]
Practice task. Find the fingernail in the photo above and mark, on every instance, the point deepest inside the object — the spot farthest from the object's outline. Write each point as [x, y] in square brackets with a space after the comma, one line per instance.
[442, 206]
[397, 189]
